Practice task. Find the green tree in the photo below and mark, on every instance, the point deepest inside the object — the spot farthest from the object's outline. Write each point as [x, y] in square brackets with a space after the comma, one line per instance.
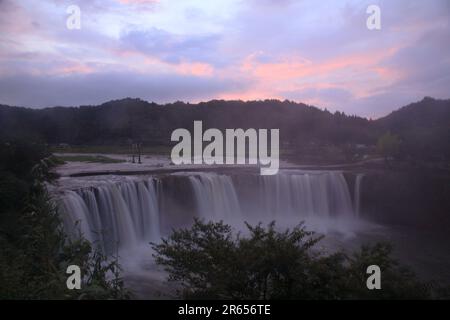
[388, 145]
[34, 251]
[209, 261]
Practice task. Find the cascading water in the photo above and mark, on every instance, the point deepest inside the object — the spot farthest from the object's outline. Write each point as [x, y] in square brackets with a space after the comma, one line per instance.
[357, 193]
[216, 197]
[113, 215]
[323, 194]
[76, 215]
[124, 214]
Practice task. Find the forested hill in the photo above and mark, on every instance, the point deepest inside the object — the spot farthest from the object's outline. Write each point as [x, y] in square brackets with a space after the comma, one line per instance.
[120, 121]
[424, 125]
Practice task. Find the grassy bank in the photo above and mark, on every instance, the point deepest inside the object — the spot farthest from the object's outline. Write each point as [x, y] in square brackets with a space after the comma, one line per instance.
[87, 158]
[146, 150]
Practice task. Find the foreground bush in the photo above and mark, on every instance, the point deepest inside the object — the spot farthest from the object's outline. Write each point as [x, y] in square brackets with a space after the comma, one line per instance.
[34, 251]
[209, 261]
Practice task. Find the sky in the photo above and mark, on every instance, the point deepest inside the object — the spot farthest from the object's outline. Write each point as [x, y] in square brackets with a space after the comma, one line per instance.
[316, 52]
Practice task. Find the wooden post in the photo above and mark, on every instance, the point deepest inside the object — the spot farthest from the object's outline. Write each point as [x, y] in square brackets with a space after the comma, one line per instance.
[139, 152]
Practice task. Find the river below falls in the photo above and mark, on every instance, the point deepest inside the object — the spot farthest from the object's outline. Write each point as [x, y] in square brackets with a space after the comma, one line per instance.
[131, 211]
[427, 254]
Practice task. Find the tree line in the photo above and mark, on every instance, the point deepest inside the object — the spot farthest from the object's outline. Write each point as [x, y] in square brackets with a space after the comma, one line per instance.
[422, 127]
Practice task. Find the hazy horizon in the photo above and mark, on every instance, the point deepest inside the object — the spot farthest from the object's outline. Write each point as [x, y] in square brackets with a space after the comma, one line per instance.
[207, 101]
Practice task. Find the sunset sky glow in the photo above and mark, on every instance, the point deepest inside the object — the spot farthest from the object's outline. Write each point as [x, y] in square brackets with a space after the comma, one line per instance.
[317, 52]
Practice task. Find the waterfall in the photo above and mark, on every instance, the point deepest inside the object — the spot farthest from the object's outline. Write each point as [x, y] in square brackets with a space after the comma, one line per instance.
[323, 194]
[124, 214]
[357, 193]
[76, 215]
[215, 196]
[285, 195]
[113, 215]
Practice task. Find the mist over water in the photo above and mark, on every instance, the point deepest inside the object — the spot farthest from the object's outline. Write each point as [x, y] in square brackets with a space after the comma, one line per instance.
[321, 199]
[113, 214]
[124, 216]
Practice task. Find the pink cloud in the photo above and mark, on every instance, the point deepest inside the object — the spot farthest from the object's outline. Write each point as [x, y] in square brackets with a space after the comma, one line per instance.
[196, 69]
[76, 68]
[146, 63]
[298, 67]
[358, 73]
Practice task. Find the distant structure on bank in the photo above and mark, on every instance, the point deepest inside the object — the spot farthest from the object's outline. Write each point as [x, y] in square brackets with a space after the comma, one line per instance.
[136, 151]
